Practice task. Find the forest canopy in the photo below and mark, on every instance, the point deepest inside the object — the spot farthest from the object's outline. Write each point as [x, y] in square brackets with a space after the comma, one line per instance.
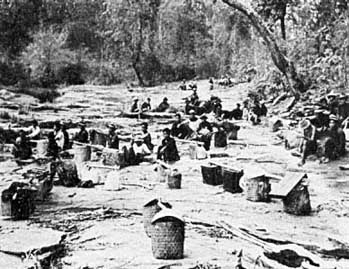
[48, 42]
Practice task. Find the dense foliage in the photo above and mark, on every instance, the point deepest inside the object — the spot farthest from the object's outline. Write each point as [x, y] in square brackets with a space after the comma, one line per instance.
[48, 42]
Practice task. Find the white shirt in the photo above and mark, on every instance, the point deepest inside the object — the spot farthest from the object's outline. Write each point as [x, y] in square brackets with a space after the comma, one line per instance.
[142, 149]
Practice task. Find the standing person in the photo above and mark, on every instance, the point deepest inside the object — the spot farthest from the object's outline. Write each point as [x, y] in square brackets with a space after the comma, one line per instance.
[146, 137]
[82, 135]
[308, 145]
[34, 131]
[113, 138]
[21, 148]
[237, 113]
[146, 105]
[135, 106]
[168, 150]
[59, 136]
[66, 144]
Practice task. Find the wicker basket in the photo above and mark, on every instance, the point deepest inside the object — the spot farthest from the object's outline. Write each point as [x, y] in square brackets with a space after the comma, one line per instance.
[211, 175]
[82, 154]
[168, 237]
[19, 205]
[149, 211]
[257, 189]
[114, 157]
[297, 202]
[231, 180]
[67, 173]
[174, 180]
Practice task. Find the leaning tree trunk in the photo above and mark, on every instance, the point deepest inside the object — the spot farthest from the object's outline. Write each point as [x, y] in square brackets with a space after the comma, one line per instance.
[281, 62]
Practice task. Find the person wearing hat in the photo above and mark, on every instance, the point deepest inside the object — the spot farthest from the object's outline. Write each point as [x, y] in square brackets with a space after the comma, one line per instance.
[167, 151]
[135, 106]
[140, 150]
[183, 86]
[21, 148]
[113, 138]
[343, 107]
[193, 124]
[320, 121]
[82, 135]
[205, 132]
[332, 102]
[179, 129]
[163, 106]
[146, 105]
[308, 144]
[34, 131]
[335, 143]
[194, 98]
[236, 114]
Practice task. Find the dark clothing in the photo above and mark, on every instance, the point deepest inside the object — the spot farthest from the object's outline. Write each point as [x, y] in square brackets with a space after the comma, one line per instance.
[162, 107]
[134, 107]
[194, 99]
[179, 130]
[256, 109]
[236, 114]
[168, 150]
[81, 137]
[66, 144]
[146, 106]
[333, 107]
[206, 138]
[205, 124]
[22, 150]
[147, 141]
[217, 109]
[343, 111]
[52, 148]
[339, 140]
[264, 110]
[113, 141]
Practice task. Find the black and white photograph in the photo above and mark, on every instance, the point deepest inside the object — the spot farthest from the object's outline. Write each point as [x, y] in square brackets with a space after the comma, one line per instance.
[174, 134]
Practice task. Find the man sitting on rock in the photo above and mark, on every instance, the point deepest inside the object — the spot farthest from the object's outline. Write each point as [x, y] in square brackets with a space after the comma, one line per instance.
[82, 135]
[308, 145]
[140, 150]
[179, 129]
[146, 137]
[21, 148]
[146, 105]
[163, 106]
[167, 151]
[204, 132]
[236, 114]
[34, 131]
[134, 106]
[113, 138]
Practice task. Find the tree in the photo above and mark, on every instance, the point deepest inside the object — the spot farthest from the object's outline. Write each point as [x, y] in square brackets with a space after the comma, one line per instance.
[286, 67]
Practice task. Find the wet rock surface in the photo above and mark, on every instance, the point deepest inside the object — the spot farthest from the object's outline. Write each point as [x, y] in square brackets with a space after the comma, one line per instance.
[102, 227]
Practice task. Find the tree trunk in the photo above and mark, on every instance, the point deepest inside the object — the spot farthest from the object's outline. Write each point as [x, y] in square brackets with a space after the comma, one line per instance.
[281, 62]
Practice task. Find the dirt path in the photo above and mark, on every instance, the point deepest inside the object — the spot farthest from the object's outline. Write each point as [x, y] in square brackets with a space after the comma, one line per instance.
[104, 228]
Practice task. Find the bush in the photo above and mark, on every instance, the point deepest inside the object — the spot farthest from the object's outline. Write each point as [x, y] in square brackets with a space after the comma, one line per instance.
[71, 74]
[11, 74]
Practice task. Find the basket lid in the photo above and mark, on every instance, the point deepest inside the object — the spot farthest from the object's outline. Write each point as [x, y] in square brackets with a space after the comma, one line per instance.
[155, 201]
[167, 213]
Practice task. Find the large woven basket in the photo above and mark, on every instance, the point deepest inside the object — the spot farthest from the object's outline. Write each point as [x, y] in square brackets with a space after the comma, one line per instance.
[67, 173]
[257, 189]
[168, 237]
[150, 209]
[174, 180]
[297, 202]
[211, 175]
[231, 180]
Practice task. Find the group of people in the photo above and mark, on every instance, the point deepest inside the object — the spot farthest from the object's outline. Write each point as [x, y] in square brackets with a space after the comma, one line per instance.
[322, 134]
[146, 106]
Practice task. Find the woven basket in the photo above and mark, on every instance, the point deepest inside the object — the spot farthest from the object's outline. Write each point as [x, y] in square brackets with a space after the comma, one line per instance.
[82, 154]
[257, 189]
[297, 202]
[67, 173]
[174, 180]
[114, 157]
[149, 211]
[231, 180]
[19, 208]
[211, 175]
[168, 238]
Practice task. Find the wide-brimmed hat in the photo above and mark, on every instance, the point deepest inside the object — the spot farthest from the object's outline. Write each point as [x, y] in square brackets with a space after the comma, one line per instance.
[135, 99]
[191, 111]
[304, 124]
[333, 117]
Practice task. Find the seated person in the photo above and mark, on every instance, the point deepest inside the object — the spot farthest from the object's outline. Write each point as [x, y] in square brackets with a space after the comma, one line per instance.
[82, 135]
[308, 145]
[205, 132]
[59, 136]
[163, 106]
[140, 150]
[264, 110]
[343, 108]
[167, 151]
[146, 136]
[183, 86]
[113, 138]
[135, 106]
[66, 144]
[34, 131]
[21, 148]
[179, 129]
[52, 147]
[192, 125]
[146, 105]
[194, 98]
[236, 114]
